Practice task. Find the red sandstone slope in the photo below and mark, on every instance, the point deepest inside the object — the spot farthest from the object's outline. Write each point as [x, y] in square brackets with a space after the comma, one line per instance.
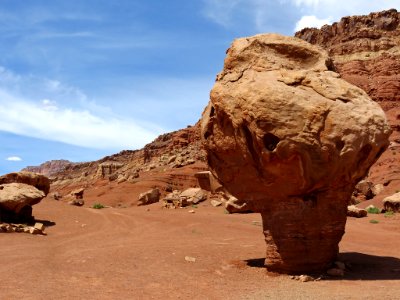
[366, 53]
[169, 162]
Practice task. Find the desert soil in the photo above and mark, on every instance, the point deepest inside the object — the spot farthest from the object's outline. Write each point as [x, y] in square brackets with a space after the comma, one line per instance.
[139, 253]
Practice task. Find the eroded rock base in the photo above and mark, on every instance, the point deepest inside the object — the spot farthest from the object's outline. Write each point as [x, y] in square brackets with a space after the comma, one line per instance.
[302, 234]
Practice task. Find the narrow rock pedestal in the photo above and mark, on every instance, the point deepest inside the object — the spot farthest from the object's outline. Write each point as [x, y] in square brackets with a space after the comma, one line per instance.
[303, 235]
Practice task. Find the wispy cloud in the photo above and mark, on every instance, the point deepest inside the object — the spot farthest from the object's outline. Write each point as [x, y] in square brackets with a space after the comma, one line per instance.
[14, 158]
[74, 119]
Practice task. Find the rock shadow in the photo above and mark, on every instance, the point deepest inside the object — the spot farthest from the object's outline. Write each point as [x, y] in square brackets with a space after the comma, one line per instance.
[46, 223]
[370, 267]
[360, 266]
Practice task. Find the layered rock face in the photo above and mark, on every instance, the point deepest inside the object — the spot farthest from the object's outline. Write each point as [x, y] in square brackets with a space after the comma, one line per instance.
[366, 52]
[290, 138]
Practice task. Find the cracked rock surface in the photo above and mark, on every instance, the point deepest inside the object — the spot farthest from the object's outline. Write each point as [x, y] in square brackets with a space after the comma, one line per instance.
[286, 135]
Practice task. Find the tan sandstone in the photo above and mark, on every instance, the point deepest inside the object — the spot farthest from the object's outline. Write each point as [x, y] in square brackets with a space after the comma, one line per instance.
[286, 135]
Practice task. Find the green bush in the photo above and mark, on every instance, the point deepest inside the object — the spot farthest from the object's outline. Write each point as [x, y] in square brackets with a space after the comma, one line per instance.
[374, 221]
[98, 206]
[373, 210]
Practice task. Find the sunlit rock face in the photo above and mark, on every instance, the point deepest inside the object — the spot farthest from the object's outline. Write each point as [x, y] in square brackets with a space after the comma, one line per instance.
[286, 135]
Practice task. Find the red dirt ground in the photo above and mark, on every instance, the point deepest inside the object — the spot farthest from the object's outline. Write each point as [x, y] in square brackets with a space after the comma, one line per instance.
[139, 253]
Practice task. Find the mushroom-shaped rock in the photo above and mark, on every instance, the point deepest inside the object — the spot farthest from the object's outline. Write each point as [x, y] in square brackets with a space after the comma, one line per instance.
[39, 181]
[290, 138]
[18, 198]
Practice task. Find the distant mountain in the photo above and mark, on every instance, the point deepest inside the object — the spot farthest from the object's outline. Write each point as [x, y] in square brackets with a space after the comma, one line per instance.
[50, 168]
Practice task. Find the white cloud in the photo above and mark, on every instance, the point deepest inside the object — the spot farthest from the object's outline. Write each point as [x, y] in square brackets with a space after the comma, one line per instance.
[76, 127]
[74, 120]
[14, 158]
[311, 21]
[49, 105]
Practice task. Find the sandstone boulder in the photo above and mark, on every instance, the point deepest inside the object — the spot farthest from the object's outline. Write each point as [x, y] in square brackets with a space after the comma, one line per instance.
[234, 205]
[193, 195]
[284, 133]
[149, 197]
[354, 211]
[392, 203]
[78, 193]
[41, 182]
[18, 198]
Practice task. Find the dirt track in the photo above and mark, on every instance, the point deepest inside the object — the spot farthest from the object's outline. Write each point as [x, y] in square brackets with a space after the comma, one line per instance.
[139, 253]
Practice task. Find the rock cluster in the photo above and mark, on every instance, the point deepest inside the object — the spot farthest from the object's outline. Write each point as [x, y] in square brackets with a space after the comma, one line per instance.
[286, 135]
[190, 196]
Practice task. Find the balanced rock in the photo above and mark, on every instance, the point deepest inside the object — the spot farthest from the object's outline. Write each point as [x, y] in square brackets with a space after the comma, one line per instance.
[18, 198]
[392, 203]
[284, 133]
[39, 181]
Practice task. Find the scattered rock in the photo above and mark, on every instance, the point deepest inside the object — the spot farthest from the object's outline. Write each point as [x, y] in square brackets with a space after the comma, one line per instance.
[193, 195]
[215, 203]
[190, 259]
[78, 193]
[173, 200]
[392, 203]
[234, 205]
[77, 202]
[149, 197]
[191, 211]
[57, 196]
[305, 278]
[354, 211]
[365, 188]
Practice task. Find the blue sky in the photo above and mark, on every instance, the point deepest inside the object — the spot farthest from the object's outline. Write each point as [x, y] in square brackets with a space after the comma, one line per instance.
[81, 79]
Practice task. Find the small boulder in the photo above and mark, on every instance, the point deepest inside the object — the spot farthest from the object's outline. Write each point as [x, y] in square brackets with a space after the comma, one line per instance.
[354, 211]
[215, 203]
[78, 193]
[77, 202]
[193, 195]
[234, 205]
[392, 203]
[149, 197]
[365, 188]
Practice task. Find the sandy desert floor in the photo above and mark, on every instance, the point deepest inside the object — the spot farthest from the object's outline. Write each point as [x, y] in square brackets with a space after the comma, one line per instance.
[139, 253]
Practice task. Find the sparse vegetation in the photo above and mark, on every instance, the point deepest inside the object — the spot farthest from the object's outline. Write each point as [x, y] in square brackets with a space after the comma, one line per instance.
[374, 221]
[98, 206]
[389, 214]
[373, 210]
